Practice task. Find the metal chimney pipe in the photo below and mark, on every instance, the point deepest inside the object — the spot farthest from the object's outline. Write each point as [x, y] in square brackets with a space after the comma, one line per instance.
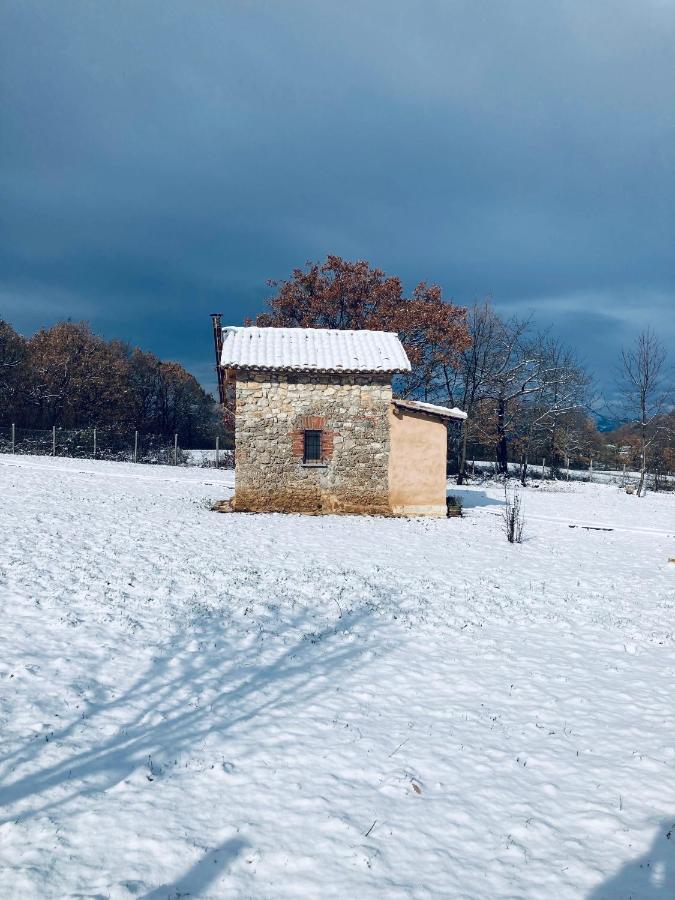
[218, 346]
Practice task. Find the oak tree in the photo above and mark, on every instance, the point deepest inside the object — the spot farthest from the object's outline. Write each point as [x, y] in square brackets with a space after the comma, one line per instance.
[341, 294]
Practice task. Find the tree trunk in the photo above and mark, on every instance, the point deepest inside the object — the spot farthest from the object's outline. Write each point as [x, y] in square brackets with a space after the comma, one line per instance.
[461, 473]
[643, 453]
[554, 455]
[502, 445]
[523, 469]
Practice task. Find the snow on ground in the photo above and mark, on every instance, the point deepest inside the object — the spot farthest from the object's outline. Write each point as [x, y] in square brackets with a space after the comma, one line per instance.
[207, 458]
[205, 705]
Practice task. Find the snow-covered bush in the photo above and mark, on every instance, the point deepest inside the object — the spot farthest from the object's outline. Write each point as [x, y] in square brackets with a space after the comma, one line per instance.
[514, 521]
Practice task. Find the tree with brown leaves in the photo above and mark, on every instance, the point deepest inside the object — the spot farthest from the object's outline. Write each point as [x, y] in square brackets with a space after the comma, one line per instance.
[76, 378]
[341, 294]
[71, 378]
[13, 362]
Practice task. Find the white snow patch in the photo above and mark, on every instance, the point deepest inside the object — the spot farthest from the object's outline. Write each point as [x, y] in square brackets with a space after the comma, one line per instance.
[284, 706]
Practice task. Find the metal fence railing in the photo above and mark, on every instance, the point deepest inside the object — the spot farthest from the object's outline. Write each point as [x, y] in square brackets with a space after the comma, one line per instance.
[108, 444]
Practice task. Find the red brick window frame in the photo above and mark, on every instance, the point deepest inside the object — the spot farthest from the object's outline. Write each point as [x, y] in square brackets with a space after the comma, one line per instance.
[312, 423]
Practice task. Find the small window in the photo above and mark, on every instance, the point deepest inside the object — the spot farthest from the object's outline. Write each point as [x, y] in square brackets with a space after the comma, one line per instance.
[312, 451]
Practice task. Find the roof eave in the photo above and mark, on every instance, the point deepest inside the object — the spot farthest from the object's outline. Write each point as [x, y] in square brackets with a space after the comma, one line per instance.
[458, 416]
[239, 367]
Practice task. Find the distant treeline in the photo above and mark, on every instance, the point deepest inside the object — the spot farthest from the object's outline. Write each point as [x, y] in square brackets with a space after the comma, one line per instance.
[69, 377]
[527, 395]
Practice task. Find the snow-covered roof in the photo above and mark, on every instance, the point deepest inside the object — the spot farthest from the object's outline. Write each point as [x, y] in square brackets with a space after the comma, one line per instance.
[445, 412]
[316, 349]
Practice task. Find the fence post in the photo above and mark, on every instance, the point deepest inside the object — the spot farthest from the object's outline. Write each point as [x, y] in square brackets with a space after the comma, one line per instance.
[217, 452]
[53, 440]
[135, 446]
[175, 449]
[13, 436]
[590, 470]
[94, 442]
[543, 467]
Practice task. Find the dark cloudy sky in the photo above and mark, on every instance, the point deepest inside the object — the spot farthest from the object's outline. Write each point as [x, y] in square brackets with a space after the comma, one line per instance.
[160, 159]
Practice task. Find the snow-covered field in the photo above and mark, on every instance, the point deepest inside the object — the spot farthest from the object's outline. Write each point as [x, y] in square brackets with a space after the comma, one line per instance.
[205, 705]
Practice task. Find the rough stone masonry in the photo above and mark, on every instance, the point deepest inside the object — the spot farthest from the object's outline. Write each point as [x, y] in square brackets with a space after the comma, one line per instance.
[351, 411]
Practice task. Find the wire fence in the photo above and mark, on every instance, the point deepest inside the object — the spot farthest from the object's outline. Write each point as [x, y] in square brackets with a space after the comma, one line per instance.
[162, 449]
[590, 471]
[107, 444]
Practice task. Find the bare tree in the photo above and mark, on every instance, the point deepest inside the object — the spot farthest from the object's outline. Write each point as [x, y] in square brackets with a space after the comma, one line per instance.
[525, 370]
[577, 436]
[514, 377]
[467, 383]
[662, 451]
[561, 387]
[513, 384]
[644, 392]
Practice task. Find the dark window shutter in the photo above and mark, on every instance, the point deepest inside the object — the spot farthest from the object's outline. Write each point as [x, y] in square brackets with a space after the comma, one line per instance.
[312, 446]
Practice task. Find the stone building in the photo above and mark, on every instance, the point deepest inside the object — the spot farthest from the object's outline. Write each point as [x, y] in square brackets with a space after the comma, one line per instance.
[317, 429]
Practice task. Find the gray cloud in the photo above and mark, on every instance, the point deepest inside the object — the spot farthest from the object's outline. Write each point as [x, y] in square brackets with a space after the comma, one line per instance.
[164, 158]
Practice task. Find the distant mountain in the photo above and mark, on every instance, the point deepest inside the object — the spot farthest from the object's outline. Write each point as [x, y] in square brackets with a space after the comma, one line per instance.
[605, 423]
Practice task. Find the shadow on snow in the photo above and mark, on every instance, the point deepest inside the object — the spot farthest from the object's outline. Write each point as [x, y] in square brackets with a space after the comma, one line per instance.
[197, 879]
[180, 699]
[649, 877]
[471, 498]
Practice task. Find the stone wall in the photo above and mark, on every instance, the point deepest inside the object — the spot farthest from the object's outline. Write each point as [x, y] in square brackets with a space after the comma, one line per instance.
[272, 412]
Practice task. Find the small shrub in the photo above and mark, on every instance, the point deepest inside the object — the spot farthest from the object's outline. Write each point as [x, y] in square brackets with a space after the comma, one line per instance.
[514, 522]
